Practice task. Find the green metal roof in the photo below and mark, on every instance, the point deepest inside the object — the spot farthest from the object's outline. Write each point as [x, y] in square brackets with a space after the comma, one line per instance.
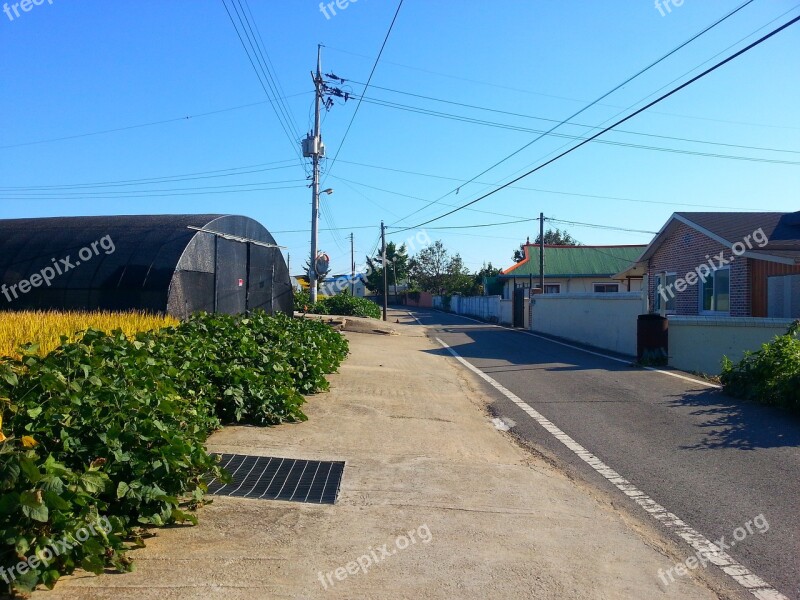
[575, 261]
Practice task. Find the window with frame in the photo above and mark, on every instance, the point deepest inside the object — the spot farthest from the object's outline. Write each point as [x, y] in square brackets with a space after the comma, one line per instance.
[666, 296]
[606, 288]
[715, 292]
[552, 288]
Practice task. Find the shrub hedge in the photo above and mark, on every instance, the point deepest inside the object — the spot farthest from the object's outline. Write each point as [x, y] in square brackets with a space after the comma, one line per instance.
[114, 427]
[770, 375]
[342, 304]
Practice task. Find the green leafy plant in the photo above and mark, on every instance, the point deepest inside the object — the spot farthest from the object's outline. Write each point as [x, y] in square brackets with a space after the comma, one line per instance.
[113, 426]
[347, 305]
[342, 304]
[770, 375]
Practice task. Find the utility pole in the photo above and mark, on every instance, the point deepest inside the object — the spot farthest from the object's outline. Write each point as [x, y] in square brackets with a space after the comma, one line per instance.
[314, 148]
[385, 271]
[541, 252]
[352, 266]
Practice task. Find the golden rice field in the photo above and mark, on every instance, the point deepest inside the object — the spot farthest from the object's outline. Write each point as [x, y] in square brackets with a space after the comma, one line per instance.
[46, 328]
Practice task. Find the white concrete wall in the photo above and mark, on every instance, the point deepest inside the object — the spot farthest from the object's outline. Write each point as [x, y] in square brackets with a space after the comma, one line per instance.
[699, 343]
[506, 312]
[481, 307]
[606, 321]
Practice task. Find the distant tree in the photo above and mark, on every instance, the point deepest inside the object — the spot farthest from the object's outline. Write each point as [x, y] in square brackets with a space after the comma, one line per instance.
[434, 270]
[552, 237]
[479, 277]
[398, 261]
[458, 279]
[429, 268]
[556, 237]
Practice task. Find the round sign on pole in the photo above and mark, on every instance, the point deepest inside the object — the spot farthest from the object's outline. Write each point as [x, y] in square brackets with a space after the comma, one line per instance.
[322, 264]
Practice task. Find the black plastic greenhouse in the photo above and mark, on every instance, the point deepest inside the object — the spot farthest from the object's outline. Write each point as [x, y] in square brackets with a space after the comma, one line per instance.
[175, 264]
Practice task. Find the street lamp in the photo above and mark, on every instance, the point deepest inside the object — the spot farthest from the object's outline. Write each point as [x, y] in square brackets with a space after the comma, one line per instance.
[312, 276]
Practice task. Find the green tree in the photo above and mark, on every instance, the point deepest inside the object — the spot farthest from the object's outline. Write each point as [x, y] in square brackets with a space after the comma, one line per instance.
[552, 237]
[481, 275]
[434, 270]
[458, 279]
[398, 261]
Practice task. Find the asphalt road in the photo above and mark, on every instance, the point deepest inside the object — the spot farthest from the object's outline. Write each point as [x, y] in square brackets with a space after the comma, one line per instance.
[713, 461]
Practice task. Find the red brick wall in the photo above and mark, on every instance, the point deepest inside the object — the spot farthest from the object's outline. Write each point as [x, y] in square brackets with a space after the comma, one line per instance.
[683, 252]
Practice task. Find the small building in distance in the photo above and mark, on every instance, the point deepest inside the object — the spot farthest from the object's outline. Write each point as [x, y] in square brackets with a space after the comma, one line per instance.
[336, 284]
[568, 269]
[173, 264]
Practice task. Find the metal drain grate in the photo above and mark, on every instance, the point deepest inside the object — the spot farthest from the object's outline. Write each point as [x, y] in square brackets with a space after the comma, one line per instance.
[271, 478]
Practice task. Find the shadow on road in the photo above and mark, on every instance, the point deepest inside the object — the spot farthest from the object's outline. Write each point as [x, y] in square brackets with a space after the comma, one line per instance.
[724, 422]
[731, 423]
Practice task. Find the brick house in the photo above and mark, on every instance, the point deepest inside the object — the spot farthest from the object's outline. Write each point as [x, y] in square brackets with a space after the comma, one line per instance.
[726, 264]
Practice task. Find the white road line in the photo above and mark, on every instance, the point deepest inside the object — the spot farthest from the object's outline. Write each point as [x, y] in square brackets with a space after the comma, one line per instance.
[410, 314]
[705, 547]
[584, 350]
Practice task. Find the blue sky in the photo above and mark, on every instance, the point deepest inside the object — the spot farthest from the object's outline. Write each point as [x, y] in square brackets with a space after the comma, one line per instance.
[72, 68]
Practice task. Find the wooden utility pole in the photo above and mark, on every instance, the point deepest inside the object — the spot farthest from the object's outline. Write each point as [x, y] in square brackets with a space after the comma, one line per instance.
[541, 252]
[352, 267]
[385, 271]
[316, 148]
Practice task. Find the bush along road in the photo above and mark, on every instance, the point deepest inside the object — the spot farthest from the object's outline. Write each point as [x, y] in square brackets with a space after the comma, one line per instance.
[103, 437]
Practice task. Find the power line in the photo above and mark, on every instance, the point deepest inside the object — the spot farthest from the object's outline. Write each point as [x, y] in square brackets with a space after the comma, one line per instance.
[337, 229]
[583, 137]
[668, 84]
[623, 120]
[277, 111]
[266, 63]
[554, 96]
[597, 226]
[593, 102]
[544, 191]
[145, 195]
[281, 94]
[257, 50]
[576, 223]
[369, 79]
[155, 180]
[139, 125]
[484, 224]
[125, 193]
[389, 104]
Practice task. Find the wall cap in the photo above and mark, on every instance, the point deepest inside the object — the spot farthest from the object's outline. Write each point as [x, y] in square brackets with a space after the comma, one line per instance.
[715, 321]
[592, 296]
